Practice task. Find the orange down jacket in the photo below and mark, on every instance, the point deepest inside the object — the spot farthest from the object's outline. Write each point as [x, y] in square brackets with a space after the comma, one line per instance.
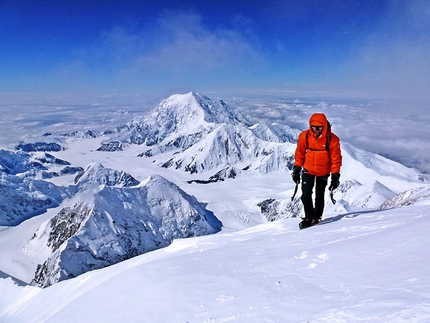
[312, 153]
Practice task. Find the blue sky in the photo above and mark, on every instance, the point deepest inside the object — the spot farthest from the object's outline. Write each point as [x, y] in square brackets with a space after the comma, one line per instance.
[173, 46]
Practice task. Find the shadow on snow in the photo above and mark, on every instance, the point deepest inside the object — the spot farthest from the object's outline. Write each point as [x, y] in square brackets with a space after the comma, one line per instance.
[349, 215]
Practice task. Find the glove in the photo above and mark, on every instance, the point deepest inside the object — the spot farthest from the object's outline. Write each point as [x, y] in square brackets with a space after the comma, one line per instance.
[334, 181]
[296, 174]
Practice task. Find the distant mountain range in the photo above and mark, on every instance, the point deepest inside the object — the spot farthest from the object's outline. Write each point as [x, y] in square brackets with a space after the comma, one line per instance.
[105, 216]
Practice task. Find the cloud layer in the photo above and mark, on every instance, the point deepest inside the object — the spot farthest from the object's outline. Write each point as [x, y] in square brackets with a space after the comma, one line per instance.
[393, 127]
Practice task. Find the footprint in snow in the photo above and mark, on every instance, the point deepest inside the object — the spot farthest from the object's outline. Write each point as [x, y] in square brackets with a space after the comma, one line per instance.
[320, 259]
[303, 255]
[223, 298]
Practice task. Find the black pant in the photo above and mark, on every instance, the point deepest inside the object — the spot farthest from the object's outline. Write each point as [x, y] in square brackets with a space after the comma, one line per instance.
[308, 183]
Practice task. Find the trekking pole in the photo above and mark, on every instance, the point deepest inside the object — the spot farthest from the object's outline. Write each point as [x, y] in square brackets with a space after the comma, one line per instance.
[295, 191]
[331, 196]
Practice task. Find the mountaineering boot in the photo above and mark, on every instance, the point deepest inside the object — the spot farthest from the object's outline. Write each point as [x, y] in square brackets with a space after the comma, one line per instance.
[306, 223]
[316, 221]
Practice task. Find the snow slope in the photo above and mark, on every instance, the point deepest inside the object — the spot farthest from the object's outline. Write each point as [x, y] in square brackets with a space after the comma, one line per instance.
[355, 267]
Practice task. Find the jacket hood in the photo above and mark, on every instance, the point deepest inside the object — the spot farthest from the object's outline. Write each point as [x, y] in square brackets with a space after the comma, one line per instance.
[319, 119]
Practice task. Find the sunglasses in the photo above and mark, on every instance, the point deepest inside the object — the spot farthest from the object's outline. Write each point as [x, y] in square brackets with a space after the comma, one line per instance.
[317, 128]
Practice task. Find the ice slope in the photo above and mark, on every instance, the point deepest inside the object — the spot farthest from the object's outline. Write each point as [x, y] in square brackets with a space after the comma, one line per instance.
[355, 267]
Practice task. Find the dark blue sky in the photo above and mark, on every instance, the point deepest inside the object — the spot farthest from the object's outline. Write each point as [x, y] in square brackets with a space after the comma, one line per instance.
[170, 46]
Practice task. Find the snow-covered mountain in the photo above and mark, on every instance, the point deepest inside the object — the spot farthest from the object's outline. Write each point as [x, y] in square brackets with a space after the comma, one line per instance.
[23, 192]
[420, 196]
[117, 223]
[202, 135]
[96, 205]
[95, 173]
[178, 121]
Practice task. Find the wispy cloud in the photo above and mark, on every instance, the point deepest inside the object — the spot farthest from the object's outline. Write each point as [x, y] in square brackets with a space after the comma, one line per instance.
[177, 48]
[395, 57]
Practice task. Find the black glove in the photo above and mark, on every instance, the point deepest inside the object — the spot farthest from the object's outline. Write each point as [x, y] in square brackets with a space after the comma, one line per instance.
[296, 174]
[334, 181]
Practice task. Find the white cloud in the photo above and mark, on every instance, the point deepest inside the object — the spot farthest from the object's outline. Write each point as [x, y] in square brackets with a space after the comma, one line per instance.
[396, 56]
[178, 48]
[188, 48]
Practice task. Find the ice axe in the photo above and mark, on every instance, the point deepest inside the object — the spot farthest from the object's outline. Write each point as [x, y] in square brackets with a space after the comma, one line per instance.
[295, 191]
[331, 196]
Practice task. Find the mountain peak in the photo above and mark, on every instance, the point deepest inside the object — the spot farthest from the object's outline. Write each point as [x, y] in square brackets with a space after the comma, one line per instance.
[193, 110]
[96, 173]
[118, 223]
[179, 119]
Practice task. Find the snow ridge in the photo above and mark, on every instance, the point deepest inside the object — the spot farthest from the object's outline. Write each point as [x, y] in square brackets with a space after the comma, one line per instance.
[118, 223]
[96, 173]
[418, 195]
